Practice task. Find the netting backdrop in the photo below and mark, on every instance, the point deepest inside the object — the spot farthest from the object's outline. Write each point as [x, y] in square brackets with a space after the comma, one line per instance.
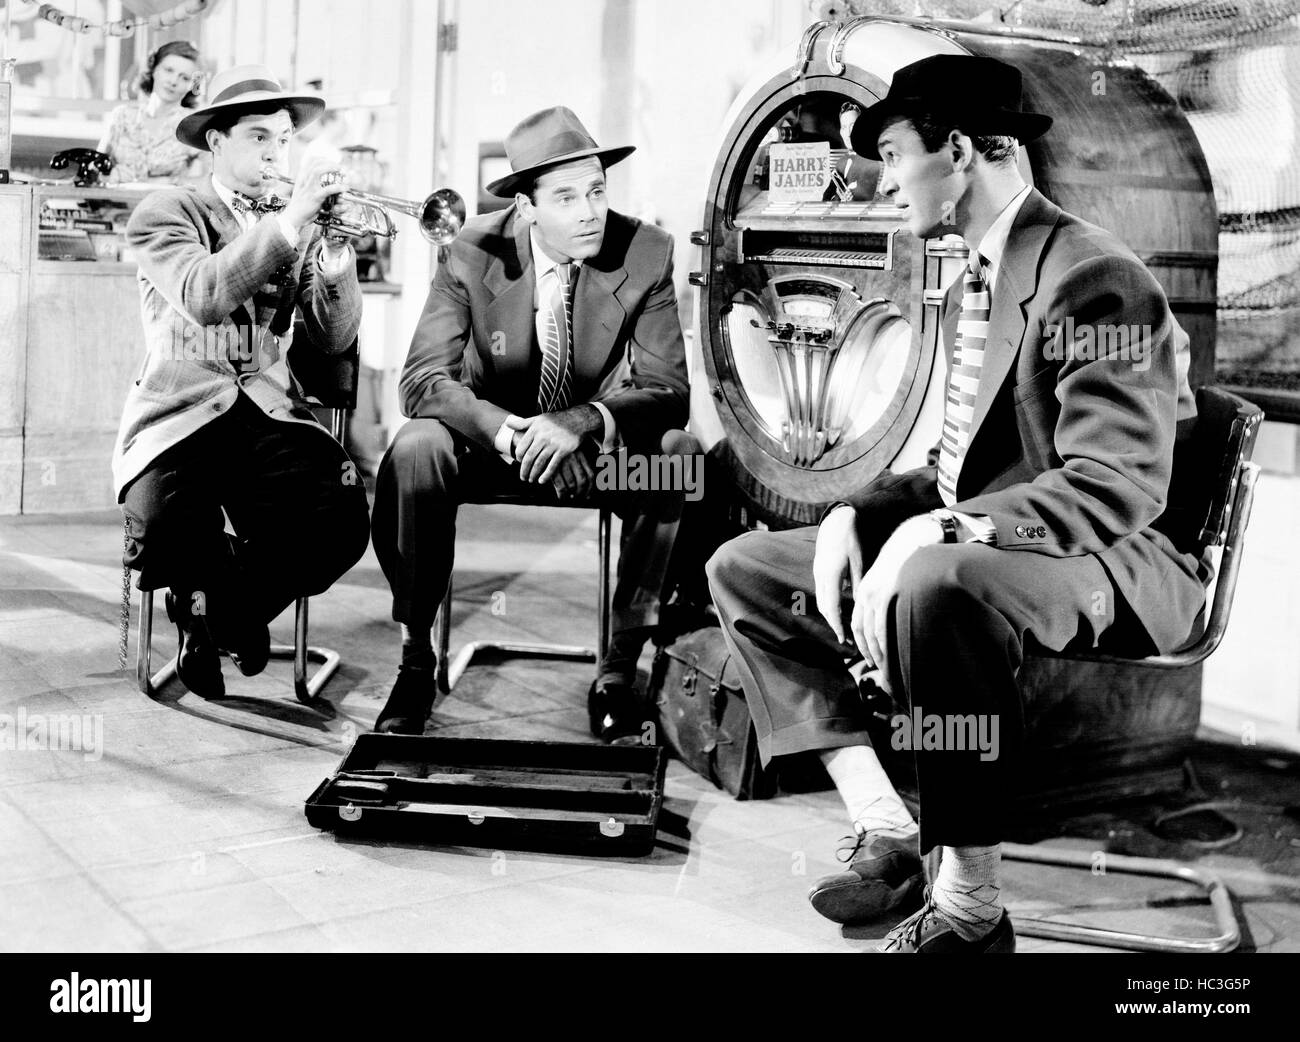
[1234, 67]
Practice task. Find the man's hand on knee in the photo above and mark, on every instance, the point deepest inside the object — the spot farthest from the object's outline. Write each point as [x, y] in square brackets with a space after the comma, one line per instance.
[838, 552]
[545, 440]
[873, 595]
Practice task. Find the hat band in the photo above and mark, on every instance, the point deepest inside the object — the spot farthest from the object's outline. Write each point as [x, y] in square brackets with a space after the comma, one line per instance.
[557, 147]
[246, 87]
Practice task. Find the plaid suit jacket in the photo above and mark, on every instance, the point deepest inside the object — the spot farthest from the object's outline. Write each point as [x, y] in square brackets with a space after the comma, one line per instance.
[217, 308]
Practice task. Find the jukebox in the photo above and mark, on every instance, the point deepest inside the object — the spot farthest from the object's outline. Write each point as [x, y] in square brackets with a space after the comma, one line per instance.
[818, 312]
[818, 316]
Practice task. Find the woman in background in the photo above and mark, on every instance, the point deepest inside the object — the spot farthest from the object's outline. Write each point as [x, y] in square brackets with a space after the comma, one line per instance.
[141, 135]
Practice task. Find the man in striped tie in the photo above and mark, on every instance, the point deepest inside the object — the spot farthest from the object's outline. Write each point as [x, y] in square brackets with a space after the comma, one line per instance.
[1036, 524]
[550, 340]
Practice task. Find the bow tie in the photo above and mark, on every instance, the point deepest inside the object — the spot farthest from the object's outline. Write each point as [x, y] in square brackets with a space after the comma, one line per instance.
[243, 204]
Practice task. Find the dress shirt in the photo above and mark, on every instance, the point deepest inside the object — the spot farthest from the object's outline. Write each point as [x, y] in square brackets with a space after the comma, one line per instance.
[544, 267]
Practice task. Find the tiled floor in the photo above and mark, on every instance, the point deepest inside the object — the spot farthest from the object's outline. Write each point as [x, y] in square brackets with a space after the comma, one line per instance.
[187, 833]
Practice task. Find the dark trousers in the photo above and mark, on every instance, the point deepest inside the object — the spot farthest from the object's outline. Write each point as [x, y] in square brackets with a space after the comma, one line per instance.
[429, 470]
[958, 629]
[293, 498]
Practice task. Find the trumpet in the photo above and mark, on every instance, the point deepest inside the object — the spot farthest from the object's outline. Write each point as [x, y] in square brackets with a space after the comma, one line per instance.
[441, 214]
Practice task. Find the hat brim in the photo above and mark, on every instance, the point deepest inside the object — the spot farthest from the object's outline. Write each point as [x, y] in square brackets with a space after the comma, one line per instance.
[506, 187]
[1023, 126]
[193, 129]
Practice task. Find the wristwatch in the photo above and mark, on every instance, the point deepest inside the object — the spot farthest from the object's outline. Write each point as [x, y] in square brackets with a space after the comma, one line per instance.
[948, 523]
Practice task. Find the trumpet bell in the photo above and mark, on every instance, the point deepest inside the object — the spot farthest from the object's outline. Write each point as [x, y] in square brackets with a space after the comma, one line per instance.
[441, 216]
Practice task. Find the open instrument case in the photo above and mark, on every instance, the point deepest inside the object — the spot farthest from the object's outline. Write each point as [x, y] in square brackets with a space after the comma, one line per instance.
[553, 796]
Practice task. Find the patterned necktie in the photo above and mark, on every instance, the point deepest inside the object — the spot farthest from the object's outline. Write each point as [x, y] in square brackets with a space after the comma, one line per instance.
[964, 380]
[243, 204]
[556, 389]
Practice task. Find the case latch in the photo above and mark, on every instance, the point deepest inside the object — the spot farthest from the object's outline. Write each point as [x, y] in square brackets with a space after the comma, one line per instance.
[612, 828]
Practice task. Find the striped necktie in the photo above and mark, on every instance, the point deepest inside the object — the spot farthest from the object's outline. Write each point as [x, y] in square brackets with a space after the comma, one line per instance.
[964, 380]
[556, 389]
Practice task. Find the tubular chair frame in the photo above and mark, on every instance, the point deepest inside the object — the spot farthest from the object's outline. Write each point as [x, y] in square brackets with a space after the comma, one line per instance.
[1225, 528]
[448, 673]
[306, 687]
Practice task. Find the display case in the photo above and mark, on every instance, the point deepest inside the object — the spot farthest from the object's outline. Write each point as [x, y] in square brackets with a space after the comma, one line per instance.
[84, 225]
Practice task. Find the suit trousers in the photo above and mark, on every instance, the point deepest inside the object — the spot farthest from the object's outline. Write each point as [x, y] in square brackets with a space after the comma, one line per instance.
[430, 469]
[293, 498]
[957, 633]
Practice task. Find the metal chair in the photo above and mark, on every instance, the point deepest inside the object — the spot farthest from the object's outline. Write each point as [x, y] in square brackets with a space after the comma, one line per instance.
[448, 674]
[1210, 497]
[329, 382]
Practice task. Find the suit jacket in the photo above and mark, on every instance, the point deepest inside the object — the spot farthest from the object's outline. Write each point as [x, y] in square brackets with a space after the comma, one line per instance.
[205, 288]
[474, 360]
[1070, 450]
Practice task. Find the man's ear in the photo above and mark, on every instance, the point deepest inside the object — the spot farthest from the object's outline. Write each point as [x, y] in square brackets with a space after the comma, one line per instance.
[525, 207]
[212, 137]
[961, 148]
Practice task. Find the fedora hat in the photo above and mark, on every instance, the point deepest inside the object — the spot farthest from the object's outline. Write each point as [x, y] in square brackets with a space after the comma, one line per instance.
[245, 88]
[980, 95]
[546, 139]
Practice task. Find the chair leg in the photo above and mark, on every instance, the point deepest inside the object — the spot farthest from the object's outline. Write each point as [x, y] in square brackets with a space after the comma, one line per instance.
[300, 653]
[448, 673]
[602, 581]
[149, 683]
[1226, 940]
[442, 677]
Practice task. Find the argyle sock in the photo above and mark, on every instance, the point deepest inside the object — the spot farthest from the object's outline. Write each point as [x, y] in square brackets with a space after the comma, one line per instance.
[868, 795]
[966, 890]
[417, 647]
[619, 663]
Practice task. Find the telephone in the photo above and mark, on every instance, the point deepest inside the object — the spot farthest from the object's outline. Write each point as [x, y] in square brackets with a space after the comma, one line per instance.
[90, 164]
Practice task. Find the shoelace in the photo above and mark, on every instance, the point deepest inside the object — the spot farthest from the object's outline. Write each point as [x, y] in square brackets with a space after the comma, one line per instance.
[852, 844]
[909, 929]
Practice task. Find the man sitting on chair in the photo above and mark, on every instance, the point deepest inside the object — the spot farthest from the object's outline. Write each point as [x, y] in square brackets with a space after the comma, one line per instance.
[209, 424]
[550, 336]
[1036, 524]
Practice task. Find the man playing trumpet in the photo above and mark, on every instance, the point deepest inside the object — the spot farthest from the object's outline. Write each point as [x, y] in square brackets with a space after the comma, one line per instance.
[209, 425]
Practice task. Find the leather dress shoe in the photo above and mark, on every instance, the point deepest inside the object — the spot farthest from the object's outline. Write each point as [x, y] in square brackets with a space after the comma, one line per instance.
[883, 874]
[409, 703]
[252, 652]
[615, 712]
[198, 662]
[927, 932]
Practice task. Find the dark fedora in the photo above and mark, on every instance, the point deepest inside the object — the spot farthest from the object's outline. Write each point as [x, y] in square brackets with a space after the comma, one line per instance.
[979, 95]
[546, 139]
[245, 88]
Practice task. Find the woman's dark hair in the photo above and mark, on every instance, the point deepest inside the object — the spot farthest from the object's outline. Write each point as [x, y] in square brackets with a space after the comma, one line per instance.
[180, 48]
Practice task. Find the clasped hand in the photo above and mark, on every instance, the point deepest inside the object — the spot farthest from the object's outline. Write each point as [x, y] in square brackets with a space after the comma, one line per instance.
[839, 552]
[548, 447]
